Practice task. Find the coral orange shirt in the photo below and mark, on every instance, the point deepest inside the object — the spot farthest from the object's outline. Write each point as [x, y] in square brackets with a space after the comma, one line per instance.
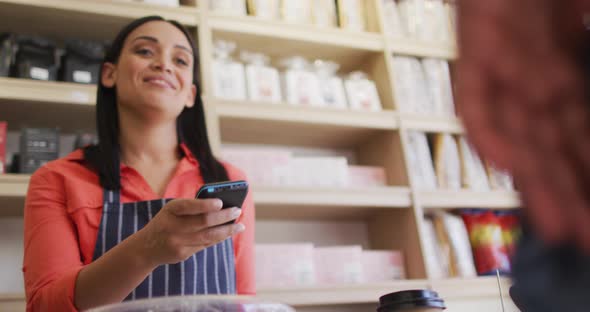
[63, 210]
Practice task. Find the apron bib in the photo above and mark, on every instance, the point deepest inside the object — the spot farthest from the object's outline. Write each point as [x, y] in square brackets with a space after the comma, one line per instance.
[210, 271]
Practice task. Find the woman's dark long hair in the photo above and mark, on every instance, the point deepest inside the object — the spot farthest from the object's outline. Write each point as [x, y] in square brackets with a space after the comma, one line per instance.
[192, 130]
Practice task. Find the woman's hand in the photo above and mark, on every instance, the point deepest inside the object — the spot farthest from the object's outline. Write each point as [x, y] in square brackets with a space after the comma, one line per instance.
[184, 227]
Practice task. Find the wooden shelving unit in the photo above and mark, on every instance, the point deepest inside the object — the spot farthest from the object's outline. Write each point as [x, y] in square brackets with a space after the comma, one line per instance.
[444, 124]
[421, 49]
[392, 214]
[329, 204]
[253, 122]
[472, 287]
[94, 19]
[14, 185]
[484, 287]
[337, 295]
[469, 199]
[296, 35]
[12, 89]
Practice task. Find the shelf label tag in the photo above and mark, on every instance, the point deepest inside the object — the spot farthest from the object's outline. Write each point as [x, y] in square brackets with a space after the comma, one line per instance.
[39, 73]
[81, 76]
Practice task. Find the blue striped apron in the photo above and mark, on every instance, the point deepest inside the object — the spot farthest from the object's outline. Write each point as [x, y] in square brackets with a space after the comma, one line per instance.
[210, 271]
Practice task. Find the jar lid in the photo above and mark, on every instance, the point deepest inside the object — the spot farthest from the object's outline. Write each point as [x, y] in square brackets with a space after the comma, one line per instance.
[410, 299]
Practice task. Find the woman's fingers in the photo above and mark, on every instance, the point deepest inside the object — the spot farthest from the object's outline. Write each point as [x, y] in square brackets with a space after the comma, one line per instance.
[196, 223]
[191, 207]
[211, 236]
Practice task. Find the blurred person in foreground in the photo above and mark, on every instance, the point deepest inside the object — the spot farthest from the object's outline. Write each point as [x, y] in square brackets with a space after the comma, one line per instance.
[523, 93]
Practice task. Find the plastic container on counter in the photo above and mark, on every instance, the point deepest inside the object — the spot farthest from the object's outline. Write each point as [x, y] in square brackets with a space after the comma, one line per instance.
[411, 301]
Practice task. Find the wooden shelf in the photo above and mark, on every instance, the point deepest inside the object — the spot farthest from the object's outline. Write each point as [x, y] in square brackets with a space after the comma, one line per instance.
[13, 89]
[280, 39]
[67, 106]
[368, 293]
[472, 287]
[423, 49]
[14, 185]
[435, 124]
[12, 296]
[468, 199]
[248, 122]
[296, 32]
[89, 19]
[13, 188]
[318, 203]
[337, 295]
[270, 202]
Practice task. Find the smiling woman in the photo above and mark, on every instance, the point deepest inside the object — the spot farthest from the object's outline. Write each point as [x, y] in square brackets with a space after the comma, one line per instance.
[118, 220]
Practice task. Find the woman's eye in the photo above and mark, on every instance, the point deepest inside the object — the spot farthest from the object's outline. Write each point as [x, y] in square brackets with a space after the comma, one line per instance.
[181, 62]
[143, 51]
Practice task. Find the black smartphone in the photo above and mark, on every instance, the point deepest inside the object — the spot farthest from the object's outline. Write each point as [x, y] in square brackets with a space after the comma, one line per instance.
[231, 193]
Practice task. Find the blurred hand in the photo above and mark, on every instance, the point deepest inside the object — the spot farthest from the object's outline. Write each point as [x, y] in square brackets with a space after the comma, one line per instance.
[186, 226]
[522, 95]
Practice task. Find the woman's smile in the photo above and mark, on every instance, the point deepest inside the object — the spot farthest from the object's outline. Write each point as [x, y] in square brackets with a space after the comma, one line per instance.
[160, 81]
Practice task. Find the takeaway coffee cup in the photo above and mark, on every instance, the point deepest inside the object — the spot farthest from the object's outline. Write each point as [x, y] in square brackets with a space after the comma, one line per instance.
[411, 301]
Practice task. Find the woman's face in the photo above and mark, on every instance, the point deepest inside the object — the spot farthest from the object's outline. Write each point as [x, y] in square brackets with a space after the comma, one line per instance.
[154, 74]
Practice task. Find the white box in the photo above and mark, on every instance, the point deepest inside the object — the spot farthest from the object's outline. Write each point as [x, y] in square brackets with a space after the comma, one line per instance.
[411, 94]
[352, 15]
[324, 13]
[296, 11]
[392, 21]
[228, 7]
[329, 172]
[438, 82]
[425, 20]
[420, 162]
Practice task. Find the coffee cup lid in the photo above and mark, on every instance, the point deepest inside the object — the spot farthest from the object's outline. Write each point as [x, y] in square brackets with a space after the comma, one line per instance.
[407, 299]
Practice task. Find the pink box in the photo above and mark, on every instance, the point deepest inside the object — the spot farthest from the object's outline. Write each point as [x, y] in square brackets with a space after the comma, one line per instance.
[338, 265]
[322, 171]
[262, 166]
[284, 265]
[3, 127]
[368, 176]
[382, 266]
